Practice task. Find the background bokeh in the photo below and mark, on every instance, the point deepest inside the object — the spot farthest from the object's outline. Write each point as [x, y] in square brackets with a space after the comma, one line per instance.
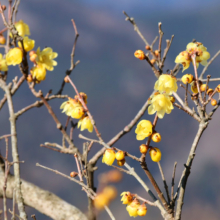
[118, 85]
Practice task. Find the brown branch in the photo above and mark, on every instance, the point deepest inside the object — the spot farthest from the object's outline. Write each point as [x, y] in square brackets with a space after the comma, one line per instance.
[135, 27]
[38, 104]
[173, 181]
[72, 64]
[15, 154]
[164, 182]
[186, 172]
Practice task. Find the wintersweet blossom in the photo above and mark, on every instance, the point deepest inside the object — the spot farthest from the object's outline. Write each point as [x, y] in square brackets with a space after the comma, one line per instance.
[100, 201]
[46, 57]
[155, 154]
[143, 130]
[142, 210]
[14, 56]
[22, 28]
[161, 104]
[126, 198]
[38, 72]
[28, 44]
[108, 157]
[85, 123]
[166, 83]
[3, 64]
[72, 108]
[197, 48]
[132, 208]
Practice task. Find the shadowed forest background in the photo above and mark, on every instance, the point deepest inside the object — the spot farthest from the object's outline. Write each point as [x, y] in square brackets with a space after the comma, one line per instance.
[117, 85]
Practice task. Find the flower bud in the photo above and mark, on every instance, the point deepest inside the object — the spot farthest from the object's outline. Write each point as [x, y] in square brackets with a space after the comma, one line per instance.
[132, 208]
[156, 52]
[187, 78]
[147, 47]
[66, 79]
[153, 61]
[209, 91]
[155, 154]
[73, 174]
[32, 52]
[29, 78]
[214, 102]
[3, 7]
[33, 58]
[143, 148]
[203, 87]
[142, 210]
[172, 99]
[139, 54]
[2, 39]
[120, 155]
[194, 88]
[156, 137]
[121, 162]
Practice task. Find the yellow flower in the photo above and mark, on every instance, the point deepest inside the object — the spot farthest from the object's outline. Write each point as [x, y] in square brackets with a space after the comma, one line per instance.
[166, 83]
[38, 72]
[193, 48]
[142, 210]
[201, 52]
[72, 108]
[3, 64]
[85, 123]
[184, 58]
[155, 154]
[187, 78]
[161, 104]
[132, 208]
[110, 192]
[14, 56]
[28, 44]
[100, 201]
[46, 57]
[126, 198]
[108, 157]
[22, 28]
[143, 130]
[139, 54]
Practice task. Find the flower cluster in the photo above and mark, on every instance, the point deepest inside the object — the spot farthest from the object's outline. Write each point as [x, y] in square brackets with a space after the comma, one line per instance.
[43, 60]
[133, 207]
[74, 109]
[197, 48]
[109, 157]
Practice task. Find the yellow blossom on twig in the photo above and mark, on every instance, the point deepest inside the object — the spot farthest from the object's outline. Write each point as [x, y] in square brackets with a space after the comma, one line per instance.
[14, 56]
[161, 104]
[85, 123]
[28, 44]
[143, 130]
[166, 83]
[46, 57]
[22, 28]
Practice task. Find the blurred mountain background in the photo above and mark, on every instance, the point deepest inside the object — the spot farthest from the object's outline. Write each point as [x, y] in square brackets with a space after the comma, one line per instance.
[117, 85]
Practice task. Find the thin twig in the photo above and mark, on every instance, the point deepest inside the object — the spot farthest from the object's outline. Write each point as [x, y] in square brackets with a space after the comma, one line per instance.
[173, 180]
[164, 182]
